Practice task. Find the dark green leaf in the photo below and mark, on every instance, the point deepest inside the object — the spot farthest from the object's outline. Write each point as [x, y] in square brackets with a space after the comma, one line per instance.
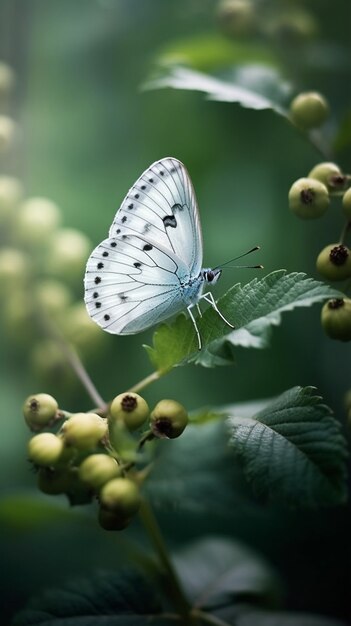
[253, 308]
[247, 616]
[256, 87]
[28, 510]
[106, 599]
[293, 450]
[216, 572]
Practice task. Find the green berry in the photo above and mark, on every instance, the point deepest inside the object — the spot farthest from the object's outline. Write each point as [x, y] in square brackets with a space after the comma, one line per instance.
[40, 410]
[78, 327]
[336, 319]
[7, 80]
[334, 262]
[290, 26]
[130, 408]
[98, 469]
[109, 520]
[13, 268]
[53, 482]
[330, 175]
[8, 132]
[50, 364]
[84, 430]
[309, 110]
[68, 253]
[10, 196]
[37, 218]
[237, 17]
[308, 198]
[346, 203]
[52, 297]
[45, 449]
[122, 496]
[168, 419]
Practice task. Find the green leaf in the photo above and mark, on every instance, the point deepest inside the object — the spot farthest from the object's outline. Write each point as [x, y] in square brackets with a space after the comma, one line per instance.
[248, 616]
[27, 510]
[255, 87]
[293, 450]
[216, 571]
[125, 599]
[253, 308]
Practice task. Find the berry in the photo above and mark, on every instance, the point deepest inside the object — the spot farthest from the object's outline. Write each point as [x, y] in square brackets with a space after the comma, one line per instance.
[68, 253]
[346, 203]
[237, 17]
[122, 496]
[334, 262]
[52, 296]
[308, 198]
[10, 195]
[109, 520]
[309, 110]
[37, 218]
[84, 430]
[130, 408]
[330, 175]
[8, 131]
[39, 410]
[7, 80]
[98, 469]
[336, 319]
[45, 449]
[168, 419]
[78, 327]
[13, 268]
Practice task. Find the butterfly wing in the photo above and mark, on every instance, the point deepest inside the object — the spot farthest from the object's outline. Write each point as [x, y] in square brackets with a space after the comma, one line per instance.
[132, 284]
[161, 206]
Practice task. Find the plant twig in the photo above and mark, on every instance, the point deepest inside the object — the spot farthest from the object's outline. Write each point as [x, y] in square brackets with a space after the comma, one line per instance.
[345, 230]
[145, 382]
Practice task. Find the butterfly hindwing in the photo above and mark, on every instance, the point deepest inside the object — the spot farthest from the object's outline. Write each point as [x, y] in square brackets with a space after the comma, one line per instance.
[131, 284]
[161, 206]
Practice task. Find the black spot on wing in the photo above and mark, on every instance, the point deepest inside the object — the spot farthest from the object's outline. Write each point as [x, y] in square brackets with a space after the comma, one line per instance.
[170, 220]
[147, 247]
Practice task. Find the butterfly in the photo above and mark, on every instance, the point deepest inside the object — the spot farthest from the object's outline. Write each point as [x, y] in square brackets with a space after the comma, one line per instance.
[150, 266]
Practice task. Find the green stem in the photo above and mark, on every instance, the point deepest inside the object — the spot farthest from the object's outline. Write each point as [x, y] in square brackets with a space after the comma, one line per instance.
[145, 382]
[176, 593]
[344, 231]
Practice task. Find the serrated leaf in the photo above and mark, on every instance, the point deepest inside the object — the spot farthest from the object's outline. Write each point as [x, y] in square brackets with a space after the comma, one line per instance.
[256, 86]
[123, 599]
[217, 572]
[253, 308]
[293, 451]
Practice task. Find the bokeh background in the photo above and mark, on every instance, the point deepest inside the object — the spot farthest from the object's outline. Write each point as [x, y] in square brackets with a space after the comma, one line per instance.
[86, 131]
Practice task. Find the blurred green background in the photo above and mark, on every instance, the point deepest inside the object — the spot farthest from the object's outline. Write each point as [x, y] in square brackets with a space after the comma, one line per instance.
[87, 132]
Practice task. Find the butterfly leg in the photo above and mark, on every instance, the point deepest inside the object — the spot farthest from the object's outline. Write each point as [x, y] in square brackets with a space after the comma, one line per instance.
[195, 325]
[210, 299]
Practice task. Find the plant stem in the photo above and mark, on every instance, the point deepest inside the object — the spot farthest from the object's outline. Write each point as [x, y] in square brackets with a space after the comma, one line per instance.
[176, 593]
[344, 231]
[145, 382]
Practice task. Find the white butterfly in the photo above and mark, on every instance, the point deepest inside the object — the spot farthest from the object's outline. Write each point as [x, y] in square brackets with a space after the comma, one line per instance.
[150, 267]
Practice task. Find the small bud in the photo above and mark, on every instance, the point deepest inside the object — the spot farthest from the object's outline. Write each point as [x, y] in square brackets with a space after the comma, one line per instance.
[334, 262]
[330, 175]
[45, 449]
[40, 410]
[84, 430]
[346, 203]
[336, 319]
[98, 469]
[109, 520]
[308, 198]
[37, 218]
[168, 419]
[130, 408]
[237, 17]
[309, 110]
[8, 132]
[122, 496]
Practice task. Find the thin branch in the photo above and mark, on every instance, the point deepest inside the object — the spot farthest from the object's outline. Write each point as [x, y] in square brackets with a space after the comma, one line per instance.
[145, 382]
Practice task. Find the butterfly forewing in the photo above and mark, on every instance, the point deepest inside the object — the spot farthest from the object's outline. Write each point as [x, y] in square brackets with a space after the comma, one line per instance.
[161, 207]
[131, 284]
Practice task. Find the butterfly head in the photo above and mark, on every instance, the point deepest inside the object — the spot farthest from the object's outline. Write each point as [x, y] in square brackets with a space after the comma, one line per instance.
[211, 276]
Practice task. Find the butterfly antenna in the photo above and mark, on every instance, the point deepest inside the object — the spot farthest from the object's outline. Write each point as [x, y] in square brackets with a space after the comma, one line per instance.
[240, 257]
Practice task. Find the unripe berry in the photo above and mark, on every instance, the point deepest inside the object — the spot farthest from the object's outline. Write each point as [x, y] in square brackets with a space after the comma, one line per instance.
[330, 175]
[122, 496]
[8, 132]
[130, 408]
[49, 362]
[98, 469]
[7, 80]
[168, 419]
[346, 203]
[10, 195]
[308, 198]
[78, 327]
[237, 17]
[52, 296]
[13, 268]
[290, 26]
[45, 449]
[36, 220]
[109, 520]
[309, 110]
[39, 410]
[84, 430]
[336, 319]
[334, 262]
[68, 253]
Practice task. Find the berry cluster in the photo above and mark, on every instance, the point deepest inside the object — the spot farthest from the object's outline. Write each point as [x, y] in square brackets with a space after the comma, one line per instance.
[87, 455]
[41, 265]
[310, 198]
